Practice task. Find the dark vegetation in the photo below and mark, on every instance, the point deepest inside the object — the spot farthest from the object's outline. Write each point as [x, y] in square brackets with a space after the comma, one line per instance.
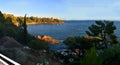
[29, 50]
[99, 47]
[7, 28]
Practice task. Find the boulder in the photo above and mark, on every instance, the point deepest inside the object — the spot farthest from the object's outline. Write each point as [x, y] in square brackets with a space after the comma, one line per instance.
[48, 39]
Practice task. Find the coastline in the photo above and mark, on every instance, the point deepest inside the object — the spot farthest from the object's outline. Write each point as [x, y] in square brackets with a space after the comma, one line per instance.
[34, 23]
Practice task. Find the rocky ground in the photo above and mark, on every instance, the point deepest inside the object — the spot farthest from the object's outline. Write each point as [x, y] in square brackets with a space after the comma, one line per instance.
[23, 55]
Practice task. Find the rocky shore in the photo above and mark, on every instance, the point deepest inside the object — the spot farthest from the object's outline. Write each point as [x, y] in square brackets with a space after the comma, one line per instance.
[48, 39]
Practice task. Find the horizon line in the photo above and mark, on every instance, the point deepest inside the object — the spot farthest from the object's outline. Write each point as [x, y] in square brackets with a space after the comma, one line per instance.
[59, 17]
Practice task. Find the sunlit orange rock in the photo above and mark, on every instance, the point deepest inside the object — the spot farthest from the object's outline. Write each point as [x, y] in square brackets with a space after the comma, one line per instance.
[48, 39]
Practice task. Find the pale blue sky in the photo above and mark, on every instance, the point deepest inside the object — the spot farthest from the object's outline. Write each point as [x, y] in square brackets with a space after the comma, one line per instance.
[64, 9]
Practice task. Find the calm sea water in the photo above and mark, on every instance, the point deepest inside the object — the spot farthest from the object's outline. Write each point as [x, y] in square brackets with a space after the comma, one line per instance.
[69, 28]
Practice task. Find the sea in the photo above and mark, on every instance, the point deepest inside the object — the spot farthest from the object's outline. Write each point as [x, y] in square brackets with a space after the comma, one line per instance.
[62, 31]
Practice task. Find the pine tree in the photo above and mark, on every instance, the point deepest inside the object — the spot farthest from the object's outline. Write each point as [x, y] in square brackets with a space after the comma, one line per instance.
[104, 30]
[25, 30]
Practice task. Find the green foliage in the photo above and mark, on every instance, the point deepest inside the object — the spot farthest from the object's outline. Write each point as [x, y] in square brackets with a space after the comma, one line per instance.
[2, 18]
[101, 27]
[70, 41]
[9, 29]
[91, 58]
[8, 21]
[37, 45]
[78, 43]
[25, 30]
[104, 30]
[19, 33]
[19, 20]
[13, 18]
[112, 55]
[2, 25]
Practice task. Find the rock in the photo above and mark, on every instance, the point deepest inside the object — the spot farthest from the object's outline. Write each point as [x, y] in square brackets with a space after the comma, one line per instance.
[48, 39]
[54, 41]
[38, 37]
[9, 42]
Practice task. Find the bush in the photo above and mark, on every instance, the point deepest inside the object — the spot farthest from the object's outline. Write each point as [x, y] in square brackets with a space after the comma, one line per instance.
[112, 55]
[71, 42]
[23, 57]
[17, 55]
[91, 58]
[37, 45]
[79, 43]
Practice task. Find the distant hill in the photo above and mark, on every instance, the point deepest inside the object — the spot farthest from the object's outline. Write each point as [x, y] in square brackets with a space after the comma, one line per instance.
[33, 20]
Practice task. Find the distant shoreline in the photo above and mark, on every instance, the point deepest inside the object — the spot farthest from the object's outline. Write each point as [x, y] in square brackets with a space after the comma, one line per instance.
[34, 23]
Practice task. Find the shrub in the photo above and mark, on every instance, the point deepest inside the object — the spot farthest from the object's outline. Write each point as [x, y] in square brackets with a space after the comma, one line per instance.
[37, 45]
[78, 43]
[91, 58]
[17, 55]
[112, 55]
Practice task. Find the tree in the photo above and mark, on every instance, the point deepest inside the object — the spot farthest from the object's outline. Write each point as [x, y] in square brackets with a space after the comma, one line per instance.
[2, 25]
[104, 30]
[2, 18]
[78, 43]
[25, 30]
[32, 18]
[8, 21]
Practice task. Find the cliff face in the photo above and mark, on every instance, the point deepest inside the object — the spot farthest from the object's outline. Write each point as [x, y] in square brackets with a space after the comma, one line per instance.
[48, 39]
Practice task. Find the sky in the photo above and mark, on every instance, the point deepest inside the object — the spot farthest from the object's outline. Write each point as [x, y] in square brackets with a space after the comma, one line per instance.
[64, 9]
